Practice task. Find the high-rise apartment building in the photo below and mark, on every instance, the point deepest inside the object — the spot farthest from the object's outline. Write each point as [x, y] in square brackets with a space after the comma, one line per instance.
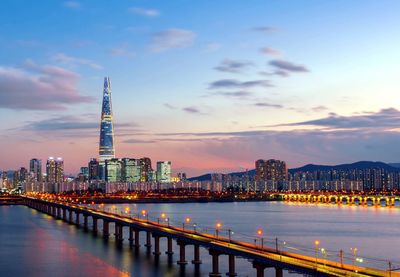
[55, 170]
[164, 171]
[106, 145]
[113, 170]
[94, 170]
[145, 170]
[271, 170]
[35, 168]
[130, 171]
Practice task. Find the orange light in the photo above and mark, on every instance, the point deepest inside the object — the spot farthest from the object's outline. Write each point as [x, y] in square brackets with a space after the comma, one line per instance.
[218, 225]
[163, 215]
[187, 219]
[259, 232]
[143, 212]
[316, 242]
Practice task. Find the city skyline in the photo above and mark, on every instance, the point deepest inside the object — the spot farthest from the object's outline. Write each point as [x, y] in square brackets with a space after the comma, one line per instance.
[198, 87]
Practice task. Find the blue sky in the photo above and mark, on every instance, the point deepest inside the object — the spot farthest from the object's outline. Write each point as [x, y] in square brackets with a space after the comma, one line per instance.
[209, 85]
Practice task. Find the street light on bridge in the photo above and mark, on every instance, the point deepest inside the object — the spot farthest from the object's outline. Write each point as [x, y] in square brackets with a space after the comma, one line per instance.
[260, 234]
[217, 227]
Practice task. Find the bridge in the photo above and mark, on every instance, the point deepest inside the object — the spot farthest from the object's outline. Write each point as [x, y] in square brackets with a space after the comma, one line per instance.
[349, 199]
[261, 257]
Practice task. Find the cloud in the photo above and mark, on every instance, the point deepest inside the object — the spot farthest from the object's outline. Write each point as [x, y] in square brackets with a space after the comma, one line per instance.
[383, 119]
[265, 29]
[268, 105]
[270, 51]
[241, 93]
[74, 5]
[288, 66]
[172, 39]
[138, 141]
[62, 123]
[232, 66]
[122, 51]
[145, 12]
[235, 84]
[169, 106]
[73, 61]
[39, 87]
[192, 110]
[318, 109]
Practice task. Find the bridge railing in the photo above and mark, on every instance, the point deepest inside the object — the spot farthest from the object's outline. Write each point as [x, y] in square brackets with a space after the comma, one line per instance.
[262, 243]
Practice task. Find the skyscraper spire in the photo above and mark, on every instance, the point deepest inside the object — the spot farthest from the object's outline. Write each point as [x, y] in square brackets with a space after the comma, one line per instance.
[106, 146]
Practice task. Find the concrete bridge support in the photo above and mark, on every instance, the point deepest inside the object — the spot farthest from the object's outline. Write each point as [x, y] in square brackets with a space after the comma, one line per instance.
[148, 241]
[278, 272]
[196, 260]
[169, 251]
[85, 222]
[182, 255]
[215, 263]
[106, 229]
[231, 263]
[137, 239]
[119, 237]
[94, 230]
[64, 213]
[77, 218]
[131, 240]
[156, 252]
[259, 269]
[70, 218]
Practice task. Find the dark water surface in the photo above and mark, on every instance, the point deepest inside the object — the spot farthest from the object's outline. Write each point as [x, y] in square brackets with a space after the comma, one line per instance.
[34, 244]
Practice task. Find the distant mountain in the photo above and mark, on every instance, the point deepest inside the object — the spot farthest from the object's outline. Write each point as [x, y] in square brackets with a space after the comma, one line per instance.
[396, 165]
[392, 167]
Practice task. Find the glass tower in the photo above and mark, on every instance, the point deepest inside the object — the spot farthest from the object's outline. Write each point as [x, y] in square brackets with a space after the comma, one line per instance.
[106, 146]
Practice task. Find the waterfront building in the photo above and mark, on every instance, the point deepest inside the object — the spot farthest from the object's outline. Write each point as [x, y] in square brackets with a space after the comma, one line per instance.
[113, 170]
[163, 171]
[55, 170]
[85, 171]
[106, 145]
[145, 170]
[131, 170]
[35, 168]
[94, 170]
[23, 175]
[271, 170]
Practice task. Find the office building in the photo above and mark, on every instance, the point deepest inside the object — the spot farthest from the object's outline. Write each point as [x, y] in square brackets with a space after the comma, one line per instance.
[131, 171]
[106, 145]
[164, 171]
[35, 168]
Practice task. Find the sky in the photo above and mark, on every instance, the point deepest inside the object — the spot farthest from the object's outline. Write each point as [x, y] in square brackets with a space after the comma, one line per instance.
[210, 85]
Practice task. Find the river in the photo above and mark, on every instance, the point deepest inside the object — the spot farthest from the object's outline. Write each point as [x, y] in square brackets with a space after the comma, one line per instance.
[34, 244]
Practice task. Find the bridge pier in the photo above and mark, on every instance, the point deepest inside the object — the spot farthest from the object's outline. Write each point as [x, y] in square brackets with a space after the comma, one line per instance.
[196, 260]
[182, 256]
[118, 233]
[231, 263]
[169, 251]
[278, 272]
[137, 239]
[64, 212]
[131, 236]
[70, 218]
[259, 269]
[106, 229]
[85, 222]
[77, 218]
[148, 241]
[94, 225]
[215, 263]
[156, 252]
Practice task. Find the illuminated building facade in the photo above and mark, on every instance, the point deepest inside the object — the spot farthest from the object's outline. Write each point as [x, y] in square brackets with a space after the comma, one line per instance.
[113, 170]
[94, 169]
[146, 171]
[35, 168]
[55, 170]
[106, 146]
[164, 171]
[130, 171]
[271, 170]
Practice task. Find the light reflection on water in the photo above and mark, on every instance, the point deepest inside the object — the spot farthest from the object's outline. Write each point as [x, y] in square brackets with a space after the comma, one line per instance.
[34, 244]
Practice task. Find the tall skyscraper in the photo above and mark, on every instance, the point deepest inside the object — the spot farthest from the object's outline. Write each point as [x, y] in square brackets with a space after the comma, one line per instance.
[164, 172]
[94, 170]
[106, 146]
[130, 171]
[145, 169]
[55, 170]
[113, 170]
[35, 168]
